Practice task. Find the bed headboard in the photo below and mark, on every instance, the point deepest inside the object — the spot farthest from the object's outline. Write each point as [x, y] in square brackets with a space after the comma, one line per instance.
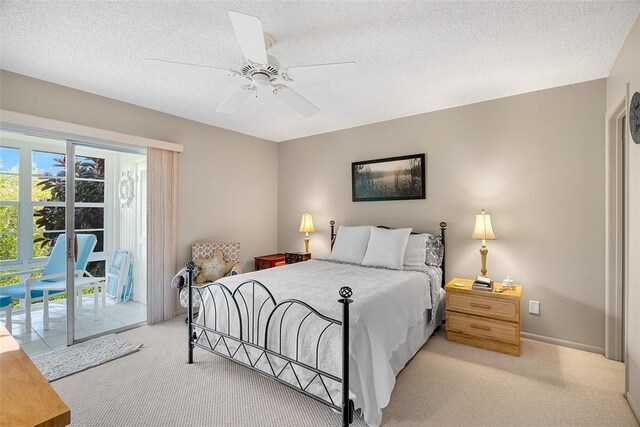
[443, 229]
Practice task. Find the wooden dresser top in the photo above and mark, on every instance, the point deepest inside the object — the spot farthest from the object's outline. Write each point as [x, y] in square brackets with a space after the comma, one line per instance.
[272, 257]
[26, 397]
[514, 293]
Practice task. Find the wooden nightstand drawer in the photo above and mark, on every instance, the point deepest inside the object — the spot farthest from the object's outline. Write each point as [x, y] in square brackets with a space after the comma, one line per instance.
[268, 261]
[483, 319]
[261, 264]
[481, 327]
[484, 306]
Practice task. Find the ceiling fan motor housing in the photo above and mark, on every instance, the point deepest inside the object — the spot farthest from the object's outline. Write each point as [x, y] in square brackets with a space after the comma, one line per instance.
[258, 71]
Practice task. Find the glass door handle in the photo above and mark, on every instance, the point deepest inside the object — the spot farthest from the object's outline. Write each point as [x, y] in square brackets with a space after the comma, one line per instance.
[72, 248]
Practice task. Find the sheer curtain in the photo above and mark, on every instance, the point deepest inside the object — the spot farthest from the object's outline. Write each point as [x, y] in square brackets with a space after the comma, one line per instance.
[161, 233]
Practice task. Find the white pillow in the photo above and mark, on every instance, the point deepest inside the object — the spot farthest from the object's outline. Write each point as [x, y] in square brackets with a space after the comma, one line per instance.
[351, 244]
[416, 252]
[386, 248]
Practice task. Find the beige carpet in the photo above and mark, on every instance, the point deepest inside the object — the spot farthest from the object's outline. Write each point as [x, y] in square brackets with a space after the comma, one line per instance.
[446, 384]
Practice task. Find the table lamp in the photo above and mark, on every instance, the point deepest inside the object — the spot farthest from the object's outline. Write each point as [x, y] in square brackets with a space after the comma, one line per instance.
[483, 231]
[306, 226]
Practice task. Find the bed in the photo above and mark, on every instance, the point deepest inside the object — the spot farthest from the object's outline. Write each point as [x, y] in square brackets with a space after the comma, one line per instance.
[286, 323]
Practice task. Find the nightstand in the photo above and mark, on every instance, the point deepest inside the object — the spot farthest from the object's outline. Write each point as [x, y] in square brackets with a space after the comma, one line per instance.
[293, 257]
[484, 319]
[268, 261]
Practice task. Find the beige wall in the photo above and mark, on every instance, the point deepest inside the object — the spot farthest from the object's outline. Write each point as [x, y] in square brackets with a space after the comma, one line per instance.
[534, 161]
[227, 181]
[626, 71]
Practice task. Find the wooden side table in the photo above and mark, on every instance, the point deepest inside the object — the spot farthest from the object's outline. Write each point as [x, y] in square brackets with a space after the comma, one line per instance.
[268, 261]
[293, 257]
[489, 320]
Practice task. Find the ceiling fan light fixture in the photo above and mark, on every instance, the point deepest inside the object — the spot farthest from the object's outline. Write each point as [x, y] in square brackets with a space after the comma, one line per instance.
[261, 79]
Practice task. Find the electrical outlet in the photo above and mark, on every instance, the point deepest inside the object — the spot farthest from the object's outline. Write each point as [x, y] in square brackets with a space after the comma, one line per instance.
[534, 307]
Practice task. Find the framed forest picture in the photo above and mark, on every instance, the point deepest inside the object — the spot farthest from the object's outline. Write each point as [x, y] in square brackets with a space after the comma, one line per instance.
[393, 178]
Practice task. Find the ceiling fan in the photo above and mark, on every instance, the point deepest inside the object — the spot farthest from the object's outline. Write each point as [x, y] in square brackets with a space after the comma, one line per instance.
[263, 71]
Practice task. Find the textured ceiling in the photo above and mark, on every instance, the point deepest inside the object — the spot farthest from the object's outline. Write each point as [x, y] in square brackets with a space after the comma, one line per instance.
[413, 57]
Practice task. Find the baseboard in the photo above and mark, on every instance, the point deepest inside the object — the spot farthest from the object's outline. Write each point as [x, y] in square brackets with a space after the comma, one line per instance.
[634, 408]
[564, 343]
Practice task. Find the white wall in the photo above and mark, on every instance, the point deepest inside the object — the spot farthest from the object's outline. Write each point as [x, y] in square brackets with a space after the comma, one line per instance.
[534, 161]
[127, 228]
[626, 72]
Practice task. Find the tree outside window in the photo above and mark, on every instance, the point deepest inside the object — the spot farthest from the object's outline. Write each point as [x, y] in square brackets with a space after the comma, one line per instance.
[49, 221]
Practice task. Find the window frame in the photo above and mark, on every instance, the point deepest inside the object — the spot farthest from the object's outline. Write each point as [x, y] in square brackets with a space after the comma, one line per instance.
[25, 257]
[14, 203]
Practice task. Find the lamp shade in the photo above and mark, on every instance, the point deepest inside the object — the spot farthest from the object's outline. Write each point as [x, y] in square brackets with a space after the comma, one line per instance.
[483, 229]
[306, 225]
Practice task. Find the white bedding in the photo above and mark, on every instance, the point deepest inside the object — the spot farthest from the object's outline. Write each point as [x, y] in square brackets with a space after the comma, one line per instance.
[387, 305]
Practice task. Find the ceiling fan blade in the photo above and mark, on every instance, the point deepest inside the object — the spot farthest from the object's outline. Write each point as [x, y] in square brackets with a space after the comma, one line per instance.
[312, 73]
[237, 98]
[294, 100]
[224, 71]
[249, 32]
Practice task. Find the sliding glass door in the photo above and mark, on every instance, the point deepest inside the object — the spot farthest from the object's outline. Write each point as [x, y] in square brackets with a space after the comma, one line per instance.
[32, 218]
[75, 213]
[108, 246]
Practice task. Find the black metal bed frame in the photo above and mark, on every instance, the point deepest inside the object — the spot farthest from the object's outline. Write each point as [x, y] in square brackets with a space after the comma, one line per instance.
[249, 333]
[249, 324]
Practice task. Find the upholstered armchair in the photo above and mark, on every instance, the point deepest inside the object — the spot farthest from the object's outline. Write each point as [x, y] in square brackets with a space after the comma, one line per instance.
[204, 251]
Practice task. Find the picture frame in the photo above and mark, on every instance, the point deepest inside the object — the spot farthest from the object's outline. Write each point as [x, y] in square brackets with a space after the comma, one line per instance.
[391, 178]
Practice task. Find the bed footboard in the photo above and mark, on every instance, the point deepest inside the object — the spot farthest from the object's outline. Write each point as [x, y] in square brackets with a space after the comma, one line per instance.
[245, 319]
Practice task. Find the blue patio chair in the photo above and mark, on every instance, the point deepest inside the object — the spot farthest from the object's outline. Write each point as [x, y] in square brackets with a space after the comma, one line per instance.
[5, 302]
[53, 279]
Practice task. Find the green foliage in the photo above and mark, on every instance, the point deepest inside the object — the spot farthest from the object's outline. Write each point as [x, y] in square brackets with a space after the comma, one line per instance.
[51, 218]
[9, 217]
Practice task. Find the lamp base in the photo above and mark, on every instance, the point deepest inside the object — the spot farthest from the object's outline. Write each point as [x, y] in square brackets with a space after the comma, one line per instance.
[483, 257]
[306, 244]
